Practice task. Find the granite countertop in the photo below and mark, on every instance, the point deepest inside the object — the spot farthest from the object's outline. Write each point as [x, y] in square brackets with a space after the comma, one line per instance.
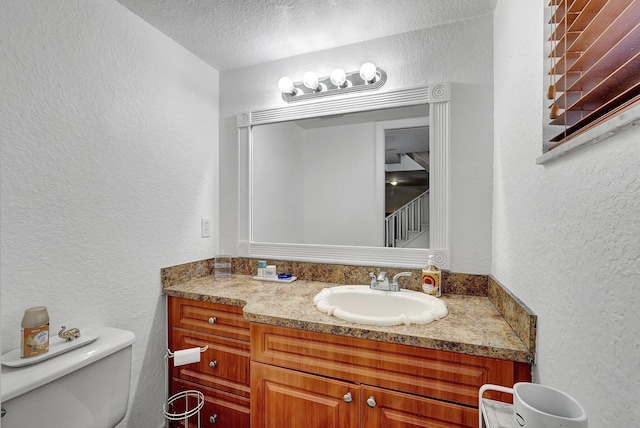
[473, 326]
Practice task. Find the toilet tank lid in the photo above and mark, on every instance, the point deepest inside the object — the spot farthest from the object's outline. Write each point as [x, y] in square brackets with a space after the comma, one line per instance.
[18, 381]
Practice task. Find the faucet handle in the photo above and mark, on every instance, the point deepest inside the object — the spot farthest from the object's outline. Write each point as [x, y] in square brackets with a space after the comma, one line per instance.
[395, 277]
[394, 281]
[382, 277]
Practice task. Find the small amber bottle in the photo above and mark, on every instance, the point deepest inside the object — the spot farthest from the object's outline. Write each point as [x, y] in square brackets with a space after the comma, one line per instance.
[431, 277]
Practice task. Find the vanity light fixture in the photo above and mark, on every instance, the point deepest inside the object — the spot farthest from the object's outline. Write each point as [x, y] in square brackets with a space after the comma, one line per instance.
[310, 80]
[339, 78]
[368, 73]
[286, 86]
[339, 82]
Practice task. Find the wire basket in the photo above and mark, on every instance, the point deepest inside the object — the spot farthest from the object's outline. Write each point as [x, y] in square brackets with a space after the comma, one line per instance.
[189, 411]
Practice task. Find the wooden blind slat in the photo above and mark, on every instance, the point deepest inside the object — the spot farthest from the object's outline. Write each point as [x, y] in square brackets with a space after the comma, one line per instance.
[569, 7]
[561, 28]
[570, 21]
[623, 79]
[595, 118]
[558, 13]
[595, 57]
[597, 11]
[593, 21]
[614, 33]
[597, 62]
[567, 62]
[611, 23]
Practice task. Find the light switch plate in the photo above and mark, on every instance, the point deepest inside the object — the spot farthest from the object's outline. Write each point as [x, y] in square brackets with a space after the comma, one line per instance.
[205, 228]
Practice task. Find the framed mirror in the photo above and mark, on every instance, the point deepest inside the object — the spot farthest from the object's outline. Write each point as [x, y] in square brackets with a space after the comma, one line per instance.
[313, 180]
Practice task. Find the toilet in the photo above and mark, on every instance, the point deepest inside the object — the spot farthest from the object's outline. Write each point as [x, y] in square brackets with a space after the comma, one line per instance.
[85, 387]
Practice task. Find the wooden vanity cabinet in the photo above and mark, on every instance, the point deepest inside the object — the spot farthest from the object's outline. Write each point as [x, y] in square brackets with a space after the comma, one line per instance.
[317, 380]
[222, 374]
[288, 398]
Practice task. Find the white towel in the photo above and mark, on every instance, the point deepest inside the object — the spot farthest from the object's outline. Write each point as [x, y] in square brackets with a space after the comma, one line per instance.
[186, 356]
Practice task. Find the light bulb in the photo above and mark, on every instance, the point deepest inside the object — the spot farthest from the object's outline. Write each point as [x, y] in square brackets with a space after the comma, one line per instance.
[310, 80]
[368, 72]
[338, 77]
[286, 85]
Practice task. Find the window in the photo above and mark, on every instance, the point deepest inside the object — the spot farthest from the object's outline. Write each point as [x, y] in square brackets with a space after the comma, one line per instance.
[594, 67]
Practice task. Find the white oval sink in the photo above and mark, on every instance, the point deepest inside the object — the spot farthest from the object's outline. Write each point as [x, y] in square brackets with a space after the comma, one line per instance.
[360, 304]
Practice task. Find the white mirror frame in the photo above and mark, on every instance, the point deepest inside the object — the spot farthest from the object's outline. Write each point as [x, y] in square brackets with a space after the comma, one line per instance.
[438, 96]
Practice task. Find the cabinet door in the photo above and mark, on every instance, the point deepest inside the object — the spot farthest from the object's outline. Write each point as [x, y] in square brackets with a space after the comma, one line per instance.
[221, 410]
[283, 398]
[391, 409]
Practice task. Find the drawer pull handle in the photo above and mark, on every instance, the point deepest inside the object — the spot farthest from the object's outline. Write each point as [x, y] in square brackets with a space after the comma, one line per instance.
[212, 320]
[213, 419]
[213, 364]
[347, 397]
[371, 402]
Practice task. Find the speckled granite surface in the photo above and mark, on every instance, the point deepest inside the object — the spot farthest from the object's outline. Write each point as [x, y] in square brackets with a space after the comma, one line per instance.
[452, 283]
[473, 326]
[515, 312]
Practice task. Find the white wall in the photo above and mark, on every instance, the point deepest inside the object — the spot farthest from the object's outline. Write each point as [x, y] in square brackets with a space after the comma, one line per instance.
[459, 53]
[109, 135]
[566, 234]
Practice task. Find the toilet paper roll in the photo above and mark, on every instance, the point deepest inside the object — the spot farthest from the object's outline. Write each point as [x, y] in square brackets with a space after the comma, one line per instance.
[186, 356]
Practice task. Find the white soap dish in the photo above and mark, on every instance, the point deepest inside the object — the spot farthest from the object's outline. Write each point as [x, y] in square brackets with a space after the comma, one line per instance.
[284, 280]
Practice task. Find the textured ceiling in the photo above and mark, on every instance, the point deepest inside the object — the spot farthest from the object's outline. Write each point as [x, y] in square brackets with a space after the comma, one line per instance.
[230, 34]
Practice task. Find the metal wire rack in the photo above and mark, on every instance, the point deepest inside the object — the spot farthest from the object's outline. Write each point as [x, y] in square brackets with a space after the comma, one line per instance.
[190, 400]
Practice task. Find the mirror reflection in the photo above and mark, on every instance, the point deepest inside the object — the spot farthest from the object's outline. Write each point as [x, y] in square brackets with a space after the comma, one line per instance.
[359, 179]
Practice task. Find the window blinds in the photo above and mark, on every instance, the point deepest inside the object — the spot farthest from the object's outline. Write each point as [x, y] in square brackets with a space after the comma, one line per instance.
[594, 69]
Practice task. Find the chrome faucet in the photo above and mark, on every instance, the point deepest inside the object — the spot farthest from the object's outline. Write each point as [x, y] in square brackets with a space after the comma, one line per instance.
[381, 282]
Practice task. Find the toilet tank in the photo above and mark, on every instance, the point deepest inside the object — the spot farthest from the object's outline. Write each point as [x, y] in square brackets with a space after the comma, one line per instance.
[85, 387]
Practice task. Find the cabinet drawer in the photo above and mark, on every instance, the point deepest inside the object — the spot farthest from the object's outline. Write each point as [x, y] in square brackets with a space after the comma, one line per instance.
[224, 365]
[439, 374]
[214, 318]
[221, 410]
[391, 409]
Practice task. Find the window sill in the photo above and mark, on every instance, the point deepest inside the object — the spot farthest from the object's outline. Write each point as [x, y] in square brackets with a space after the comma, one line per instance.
[611, 127]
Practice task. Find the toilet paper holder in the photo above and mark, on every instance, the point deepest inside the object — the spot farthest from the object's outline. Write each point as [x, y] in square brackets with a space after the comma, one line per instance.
[169, 354]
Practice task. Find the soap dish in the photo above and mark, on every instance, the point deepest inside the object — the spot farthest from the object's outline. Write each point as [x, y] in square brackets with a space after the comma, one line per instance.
[284, 280]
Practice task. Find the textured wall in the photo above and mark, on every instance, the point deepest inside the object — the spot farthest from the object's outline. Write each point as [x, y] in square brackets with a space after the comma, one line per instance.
[566, 234]
[460, 53]
[109, 137]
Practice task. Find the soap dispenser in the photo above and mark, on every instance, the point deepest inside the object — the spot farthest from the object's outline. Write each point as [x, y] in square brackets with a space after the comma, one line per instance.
[431, 277]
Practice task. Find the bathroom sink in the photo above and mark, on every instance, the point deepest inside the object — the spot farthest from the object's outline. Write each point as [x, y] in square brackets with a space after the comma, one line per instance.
[360, 304]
